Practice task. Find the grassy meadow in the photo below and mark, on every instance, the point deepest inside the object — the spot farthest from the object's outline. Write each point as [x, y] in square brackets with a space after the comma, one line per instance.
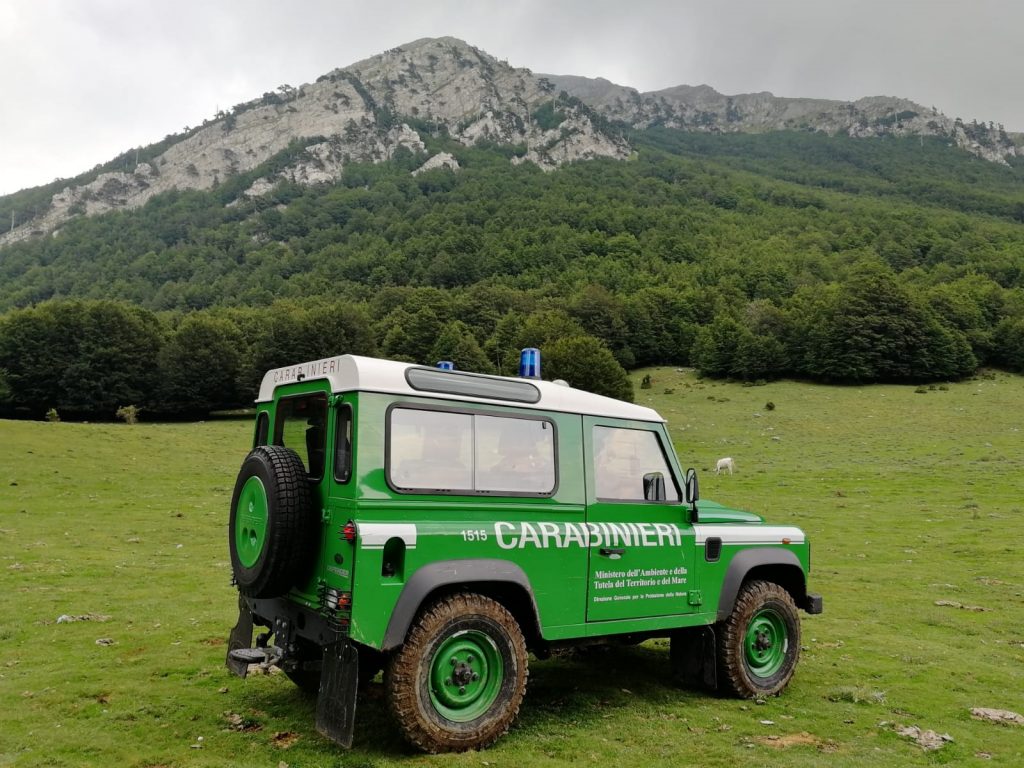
[909, 497]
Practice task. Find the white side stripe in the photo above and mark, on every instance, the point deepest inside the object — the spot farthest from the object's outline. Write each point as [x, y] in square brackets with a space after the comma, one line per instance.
[748, 534]
[376, 535]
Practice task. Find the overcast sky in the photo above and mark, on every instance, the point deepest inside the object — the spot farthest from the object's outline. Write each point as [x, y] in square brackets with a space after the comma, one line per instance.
[84, 80]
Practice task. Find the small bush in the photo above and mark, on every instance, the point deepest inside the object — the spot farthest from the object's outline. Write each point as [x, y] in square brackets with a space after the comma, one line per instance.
[921, 391]
[769, 406]
[52, 415]
[645, 382]
[670, 391]
[129, 414]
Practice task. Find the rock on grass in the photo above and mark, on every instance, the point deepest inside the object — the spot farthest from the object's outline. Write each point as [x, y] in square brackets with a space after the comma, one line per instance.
[997, 715]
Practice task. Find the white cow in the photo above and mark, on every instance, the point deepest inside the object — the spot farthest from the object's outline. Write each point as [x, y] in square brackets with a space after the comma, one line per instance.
[726, 463]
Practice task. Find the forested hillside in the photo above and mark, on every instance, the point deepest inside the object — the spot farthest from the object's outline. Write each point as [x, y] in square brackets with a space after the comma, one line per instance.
[749, 256]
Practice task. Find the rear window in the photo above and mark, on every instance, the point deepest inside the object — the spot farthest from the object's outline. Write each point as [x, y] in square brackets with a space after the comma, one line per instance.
[262, 430]
[343, 445]
[470, 453]
[301, 424]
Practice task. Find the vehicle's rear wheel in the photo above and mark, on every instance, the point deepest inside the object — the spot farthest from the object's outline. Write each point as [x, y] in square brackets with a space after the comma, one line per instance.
[459, 679]
[759, 644]
[271, 529]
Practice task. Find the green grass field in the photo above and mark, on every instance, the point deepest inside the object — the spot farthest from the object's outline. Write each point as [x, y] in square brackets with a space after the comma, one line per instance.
[909, 497]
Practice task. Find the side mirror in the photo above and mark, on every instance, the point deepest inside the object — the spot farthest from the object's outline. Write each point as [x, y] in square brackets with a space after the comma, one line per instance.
[692, 491]
[654, 487]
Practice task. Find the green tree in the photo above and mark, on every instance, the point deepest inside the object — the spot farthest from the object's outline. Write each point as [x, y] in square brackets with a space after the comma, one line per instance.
[457, 344]
[714, 351]
[758, 357]
[5, 388]
[876, 330]
[200, 365]
[586, 363]
[82, 357]
[1009, 344]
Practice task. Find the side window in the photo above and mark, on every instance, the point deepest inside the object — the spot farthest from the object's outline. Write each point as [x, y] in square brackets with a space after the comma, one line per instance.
[343, 445]
[627, 466]
[301, 425]
[470, 453]
[431, 449]
[514, 455]
[262, 430]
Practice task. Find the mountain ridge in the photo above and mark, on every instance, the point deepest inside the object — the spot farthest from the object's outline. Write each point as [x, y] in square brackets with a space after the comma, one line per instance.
[702, 108]
[373, 108]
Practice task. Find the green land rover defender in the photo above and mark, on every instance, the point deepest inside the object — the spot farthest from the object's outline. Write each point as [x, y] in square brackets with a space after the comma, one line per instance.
[442, 525]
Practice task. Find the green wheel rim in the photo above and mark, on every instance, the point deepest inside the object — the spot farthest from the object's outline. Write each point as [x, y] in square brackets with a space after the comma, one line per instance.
[251, 522]
[466, 674]
[766, 643]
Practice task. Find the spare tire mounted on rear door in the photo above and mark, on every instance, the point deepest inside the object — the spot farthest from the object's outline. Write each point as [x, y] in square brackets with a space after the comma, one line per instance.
[271, 529]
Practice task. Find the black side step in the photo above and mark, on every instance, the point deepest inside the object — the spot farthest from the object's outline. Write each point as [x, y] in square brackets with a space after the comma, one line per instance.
[248, 656]
[239, 659]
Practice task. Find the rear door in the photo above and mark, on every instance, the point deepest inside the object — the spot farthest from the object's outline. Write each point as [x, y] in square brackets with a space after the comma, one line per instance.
[641, 543]
[301, 423]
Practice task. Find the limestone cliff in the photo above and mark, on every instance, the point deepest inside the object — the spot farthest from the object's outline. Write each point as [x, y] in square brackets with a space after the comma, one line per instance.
[702, 108]
[357, 113]
[367, 111]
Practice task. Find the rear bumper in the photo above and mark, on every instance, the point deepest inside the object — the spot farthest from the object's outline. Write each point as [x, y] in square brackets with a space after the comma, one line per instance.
[813, 604]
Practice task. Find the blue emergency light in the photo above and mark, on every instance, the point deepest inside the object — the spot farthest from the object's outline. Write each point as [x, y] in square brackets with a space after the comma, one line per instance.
[529, 363]
[446, 365]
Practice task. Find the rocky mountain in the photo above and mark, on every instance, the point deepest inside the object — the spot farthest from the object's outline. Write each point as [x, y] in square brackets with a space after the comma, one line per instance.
[359, 113]
[388, 103]
[702, 108]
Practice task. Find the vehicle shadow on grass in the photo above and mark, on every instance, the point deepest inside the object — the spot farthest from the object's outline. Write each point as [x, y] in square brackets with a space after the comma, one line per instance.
[575, 688]
[585, 685]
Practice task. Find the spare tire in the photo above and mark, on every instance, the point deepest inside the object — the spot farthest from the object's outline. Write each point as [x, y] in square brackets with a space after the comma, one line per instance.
[272, 528]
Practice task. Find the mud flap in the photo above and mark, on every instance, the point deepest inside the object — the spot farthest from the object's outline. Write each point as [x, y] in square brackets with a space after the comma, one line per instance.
[692, 654]
[339, 682]
[240, 637]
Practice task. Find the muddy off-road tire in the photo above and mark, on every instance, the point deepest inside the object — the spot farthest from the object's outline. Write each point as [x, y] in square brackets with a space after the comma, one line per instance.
[271, 532]
[759, 644]
[459, 679]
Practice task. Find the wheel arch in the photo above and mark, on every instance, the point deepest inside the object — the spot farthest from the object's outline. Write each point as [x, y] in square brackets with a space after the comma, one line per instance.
[779, 566]
[500, 580]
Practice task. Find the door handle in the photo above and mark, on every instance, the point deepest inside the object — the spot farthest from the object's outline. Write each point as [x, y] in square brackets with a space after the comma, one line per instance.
[613, 553]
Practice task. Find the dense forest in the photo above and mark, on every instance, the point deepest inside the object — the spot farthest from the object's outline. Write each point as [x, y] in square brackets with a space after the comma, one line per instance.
[747, 256]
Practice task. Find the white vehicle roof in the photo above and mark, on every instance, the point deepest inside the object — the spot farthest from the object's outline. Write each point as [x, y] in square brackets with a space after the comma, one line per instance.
[350, 373]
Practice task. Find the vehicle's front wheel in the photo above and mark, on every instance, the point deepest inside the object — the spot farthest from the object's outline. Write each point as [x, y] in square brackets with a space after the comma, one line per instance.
[759, 644]
[460, 677]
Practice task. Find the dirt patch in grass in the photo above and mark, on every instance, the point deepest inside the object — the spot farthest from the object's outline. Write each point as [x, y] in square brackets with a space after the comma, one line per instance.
[284, 739]
[802, 739]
